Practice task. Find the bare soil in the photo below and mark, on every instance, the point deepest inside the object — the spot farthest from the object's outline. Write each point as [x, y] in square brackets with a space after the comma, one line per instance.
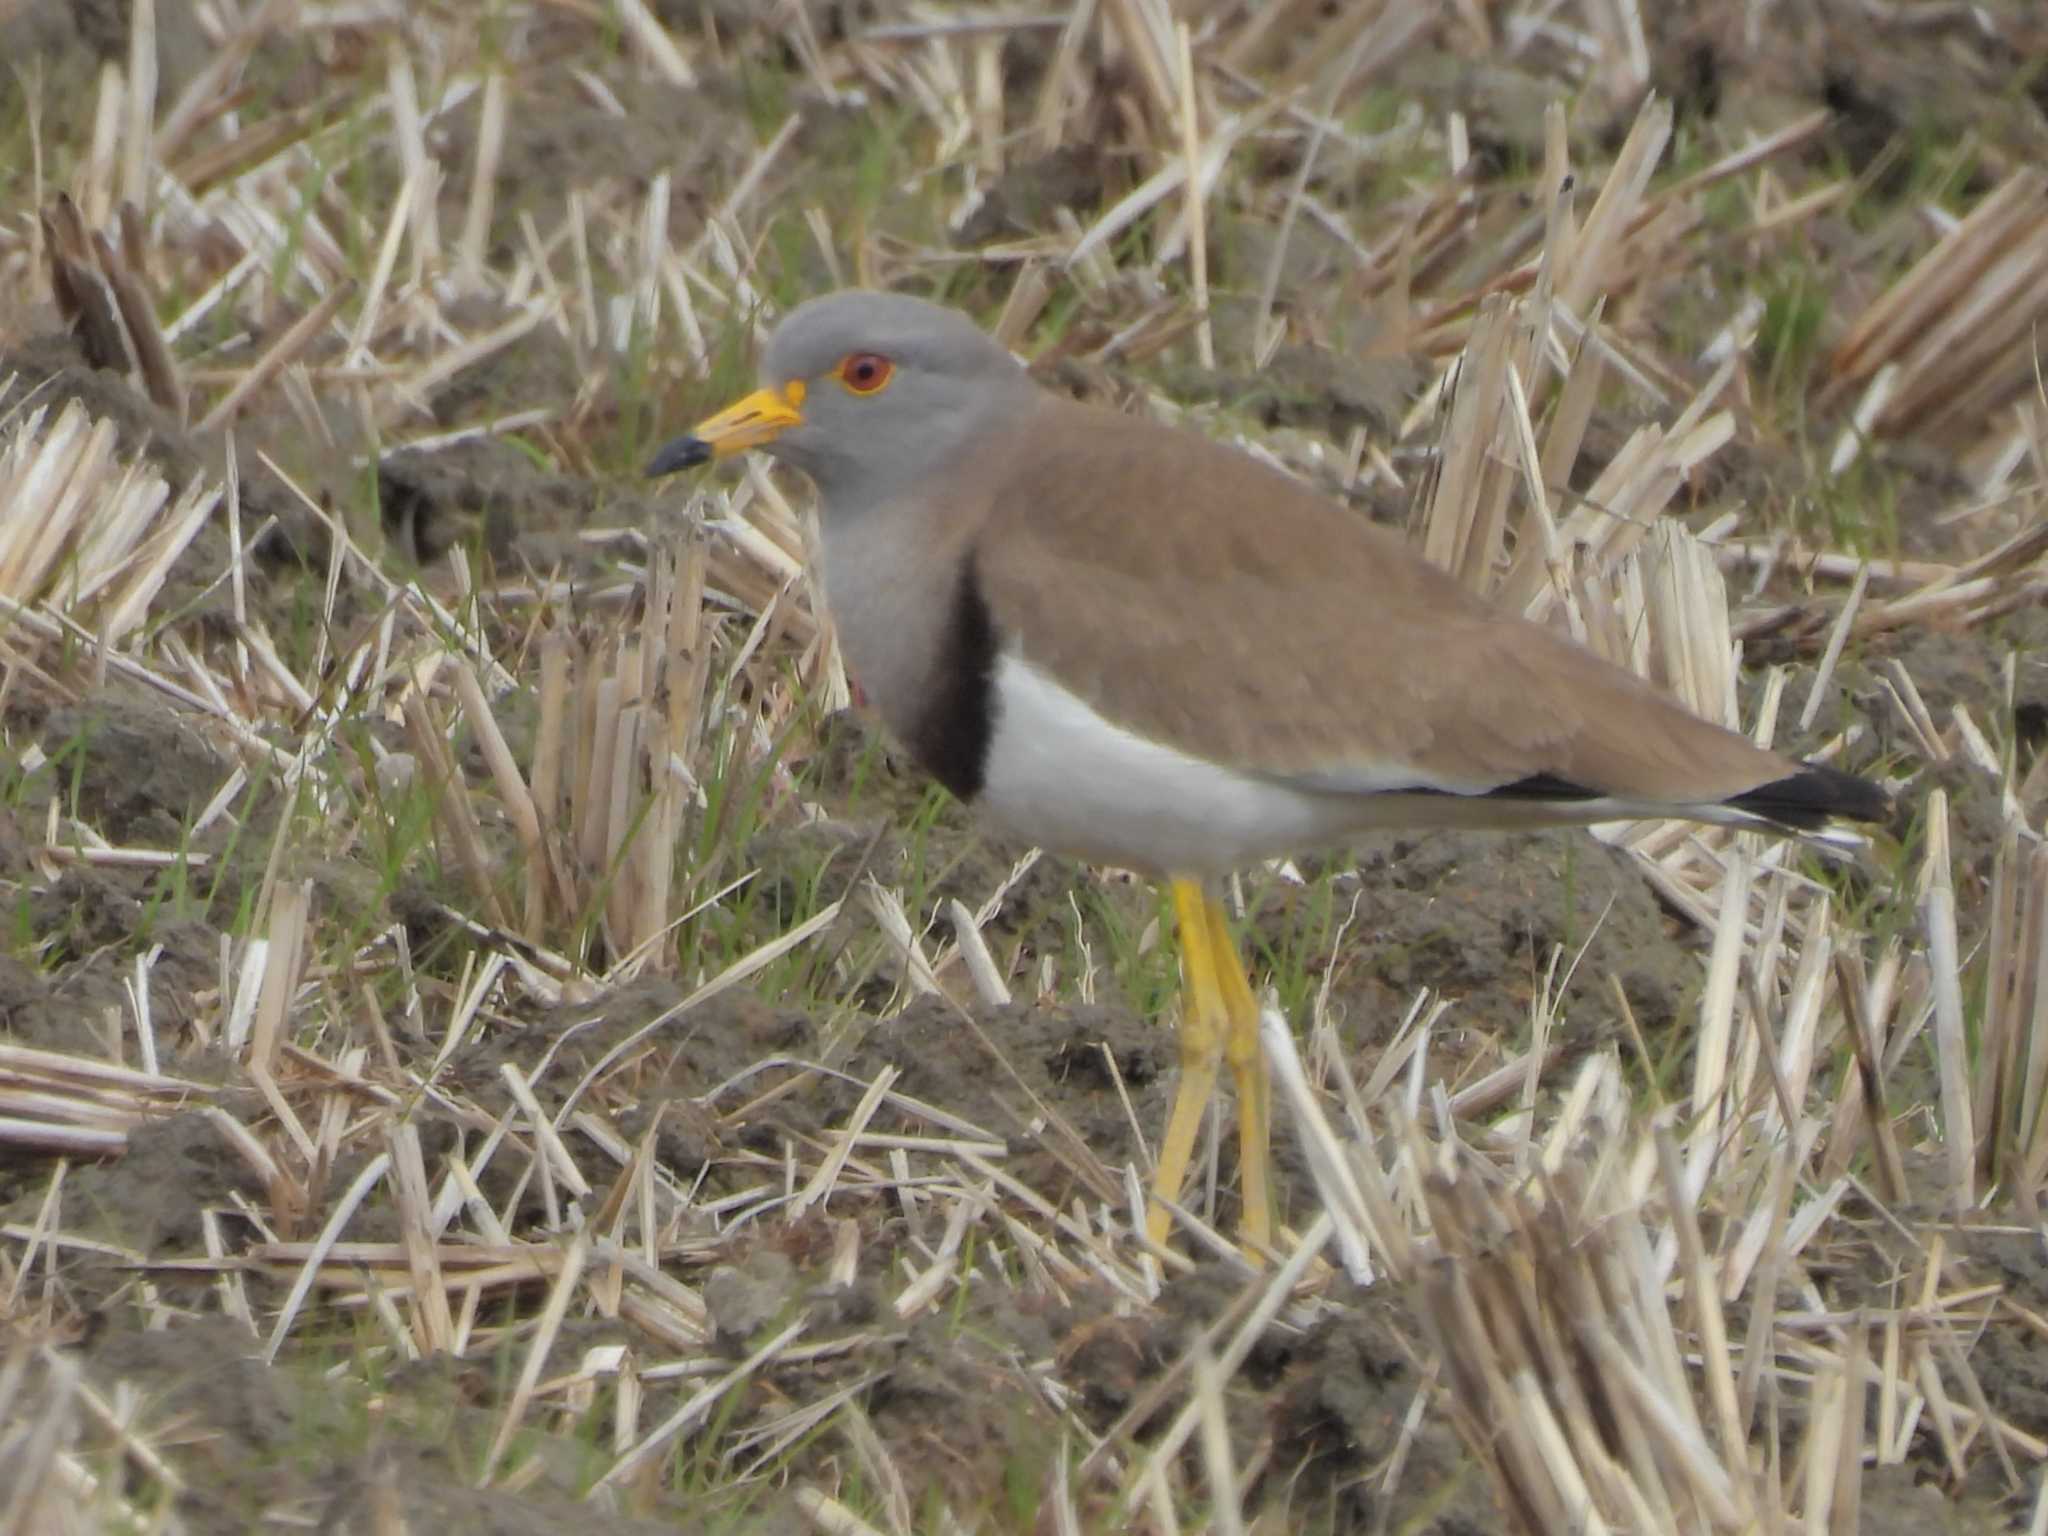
[959, 1402]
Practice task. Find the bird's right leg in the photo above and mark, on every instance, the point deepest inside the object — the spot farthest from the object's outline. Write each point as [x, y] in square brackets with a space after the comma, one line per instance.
[1204, 1016]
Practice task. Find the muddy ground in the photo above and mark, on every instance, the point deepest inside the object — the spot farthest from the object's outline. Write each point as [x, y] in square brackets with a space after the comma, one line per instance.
[958, 1402]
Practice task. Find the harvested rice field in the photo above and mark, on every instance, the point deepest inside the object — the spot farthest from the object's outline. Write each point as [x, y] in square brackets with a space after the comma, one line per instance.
[494, 1038]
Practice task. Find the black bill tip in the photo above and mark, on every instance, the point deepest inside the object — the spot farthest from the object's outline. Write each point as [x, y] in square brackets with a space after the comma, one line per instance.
[683, 453]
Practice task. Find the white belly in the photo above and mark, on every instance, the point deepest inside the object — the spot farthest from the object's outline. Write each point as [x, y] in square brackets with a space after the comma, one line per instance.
[1062, 776]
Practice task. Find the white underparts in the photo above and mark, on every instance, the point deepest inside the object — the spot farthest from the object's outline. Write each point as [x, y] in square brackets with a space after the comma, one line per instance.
[1063, 776]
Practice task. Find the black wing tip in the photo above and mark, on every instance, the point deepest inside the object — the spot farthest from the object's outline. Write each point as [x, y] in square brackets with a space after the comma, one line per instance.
[1809, 799]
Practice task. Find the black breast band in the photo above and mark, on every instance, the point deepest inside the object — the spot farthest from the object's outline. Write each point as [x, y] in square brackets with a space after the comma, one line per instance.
[954, 728]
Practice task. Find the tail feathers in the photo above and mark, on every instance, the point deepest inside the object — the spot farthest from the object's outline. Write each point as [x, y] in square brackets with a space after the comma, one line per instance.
[1807, 800]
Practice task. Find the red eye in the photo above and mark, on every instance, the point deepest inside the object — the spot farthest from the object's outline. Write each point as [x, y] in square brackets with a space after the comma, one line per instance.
[865, 372]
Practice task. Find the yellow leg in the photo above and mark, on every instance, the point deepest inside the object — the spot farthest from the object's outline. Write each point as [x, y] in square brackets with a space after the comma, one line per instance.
[1219, 1022]
[1202, 1022]
[1248, 1069]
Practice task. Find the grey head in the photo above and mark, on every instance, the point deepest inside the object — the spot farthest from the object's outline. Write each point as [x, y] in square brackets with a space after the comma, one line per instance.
[866, 393]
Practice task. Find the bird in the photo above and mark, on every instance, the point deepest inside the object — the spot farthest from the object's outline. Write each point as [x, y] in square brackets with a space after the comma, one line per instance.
[1127, 643]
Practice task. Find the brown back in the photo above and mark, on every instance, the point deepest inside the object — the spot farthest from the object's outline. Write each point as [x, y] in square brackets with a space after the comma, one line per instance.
[1246, 619]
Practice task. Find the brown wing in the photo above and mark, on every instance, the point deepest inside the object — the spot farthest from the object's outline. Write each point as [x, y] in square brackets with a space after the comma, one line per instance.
[1200, 598]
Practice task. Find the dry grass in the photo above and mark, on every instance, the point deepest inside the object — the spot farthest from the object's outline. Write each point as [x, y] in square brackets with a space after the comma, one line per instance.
[1717, 1304]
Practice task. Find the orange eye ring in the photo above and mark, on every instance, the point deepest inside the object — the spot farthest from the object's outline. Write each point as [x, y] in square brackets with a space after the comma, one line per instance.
[866, 373]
